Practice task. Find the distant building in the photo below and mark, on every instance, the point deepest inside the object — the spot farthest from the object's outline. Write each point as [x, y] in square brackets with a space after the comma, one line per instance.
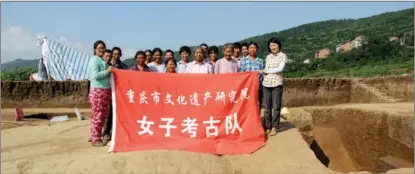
[344, 47]
[358, 41]
[394, 38]
[355, 43]
[323, 53]
[337, 48]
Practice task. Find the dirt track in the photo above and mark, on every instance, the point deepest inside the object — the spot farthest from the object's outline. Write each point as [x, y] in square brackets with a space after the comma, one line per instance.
[62, 148]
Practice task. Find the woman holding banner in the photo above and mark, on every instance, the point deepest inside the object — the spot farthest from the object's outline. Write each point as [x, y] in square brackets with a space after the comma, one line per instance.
[253, 63]
[100, 92]
[272, 85]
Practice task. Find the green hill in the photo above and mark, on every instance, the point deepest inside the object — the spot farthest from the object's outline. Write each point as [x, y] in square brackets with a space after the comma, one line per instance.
[20, 63]
[301, 43]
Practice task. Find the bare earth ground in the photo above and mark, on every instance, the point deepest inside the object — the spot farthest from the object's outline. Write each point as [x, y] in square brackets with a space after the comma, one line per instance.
[35, 146]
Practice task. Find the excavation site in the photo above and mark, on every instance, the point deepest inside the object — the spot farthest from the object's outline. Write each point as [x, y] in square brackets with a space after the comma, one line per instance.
[329, 125]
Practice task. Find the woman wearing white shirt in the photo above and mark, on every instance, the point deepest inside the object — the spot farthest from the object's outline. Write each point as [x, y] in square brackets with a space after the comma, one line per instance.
[272, 85]
[199, 66]
[157, 64]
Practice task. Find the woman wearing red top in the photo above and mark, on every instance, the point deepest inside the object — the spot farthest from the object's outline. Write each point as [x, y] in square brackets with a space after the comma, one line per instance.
[140, 58]
[171, 66]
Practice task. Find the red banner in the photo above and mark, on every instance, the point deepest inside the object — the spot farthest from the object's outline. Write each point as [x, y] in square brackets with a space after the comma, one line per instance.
[207, 113]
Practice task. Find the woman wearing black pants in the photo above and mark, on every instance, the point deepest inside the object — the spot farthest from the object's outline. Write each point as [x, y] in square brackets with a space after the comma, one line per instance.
[272, 86]
[118, 64]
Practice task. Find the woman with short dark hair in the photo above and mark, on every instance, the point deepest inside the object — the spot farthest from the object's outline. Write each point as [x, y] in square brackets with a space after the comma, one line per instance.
[140, 59]
[272, 85]
[213, 54]
[116, 59]
[171, 66]
[184, 52]
[168, 54]
[149, 55]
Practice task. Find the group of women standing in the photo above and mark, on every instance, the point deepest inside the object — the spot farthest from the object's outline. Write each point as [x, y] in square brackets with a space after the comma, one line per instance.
[237, 58]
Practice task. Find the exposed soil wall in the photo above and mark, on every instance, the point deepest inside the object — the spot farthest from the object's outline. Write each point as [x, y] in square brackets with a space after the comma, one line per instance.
[400, 87]
[46, 94]
[357, 140]
[297, 92]
[316, 92]
[361, 93]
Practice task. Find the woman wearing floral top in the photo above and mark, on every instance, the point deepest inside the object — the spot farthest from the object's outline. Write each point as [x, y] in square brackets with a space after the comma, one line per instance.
[273, 85]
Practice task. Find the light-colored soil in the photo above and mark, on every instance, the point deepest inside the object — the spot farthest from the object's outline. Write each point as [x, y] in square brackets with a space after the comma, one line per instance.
[62, 148]
[41, 147]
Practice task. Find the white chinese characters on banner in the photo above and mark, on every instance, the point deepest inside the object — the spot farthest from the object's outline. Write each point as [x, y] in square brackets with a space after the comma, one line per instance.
[221, 97]
[168, 125]
[130, 94]
[206, 97]
[143, 98]
[145, 126]
[167, 100]
[232, 97]
[244, 94]
[231, 124]
[211, 129]
[156, 97]
[190, 126]
[181, 100]
[194, 99]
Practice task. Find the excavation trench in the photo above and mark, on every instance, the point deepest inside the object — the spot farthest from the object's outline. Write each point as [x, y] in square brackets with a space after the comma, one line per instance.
[352, 140]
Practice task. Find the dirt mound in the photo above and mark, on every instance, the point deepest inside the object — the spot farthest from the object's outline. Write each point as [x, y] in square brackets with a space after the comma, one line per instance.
[351, 138]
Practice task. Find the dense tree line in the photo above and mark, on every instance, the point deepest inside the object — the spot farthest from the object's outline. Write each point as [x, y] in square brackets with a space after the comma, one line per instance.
[17, 74]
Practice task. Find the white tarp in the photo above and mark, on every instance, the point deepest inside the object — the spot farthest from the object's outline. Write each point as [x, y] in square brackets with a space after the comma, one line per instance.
[63, 62]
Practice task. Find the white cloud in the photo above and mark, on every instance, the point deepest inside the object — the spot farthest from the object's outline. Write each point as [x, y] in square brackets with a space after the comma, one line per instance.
[15, 39]
[19, 43]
